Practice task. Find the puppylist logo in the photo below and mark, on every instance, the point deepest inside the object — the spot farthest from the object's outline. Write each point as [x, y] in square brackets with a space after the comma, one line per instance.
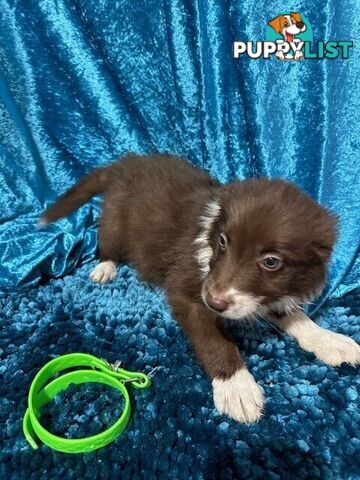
[289, 36]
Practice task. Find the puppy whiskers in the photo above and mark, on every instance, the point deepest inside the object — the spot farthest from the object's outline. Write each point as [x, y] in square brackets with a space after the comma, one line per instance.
[271, 325]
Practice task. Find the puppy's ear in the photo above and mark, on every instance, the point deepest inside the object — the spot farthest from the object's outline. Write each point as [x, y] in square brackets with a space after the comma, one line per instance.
[325, 236]
[275, 23]
[322, 250]
[296, 16]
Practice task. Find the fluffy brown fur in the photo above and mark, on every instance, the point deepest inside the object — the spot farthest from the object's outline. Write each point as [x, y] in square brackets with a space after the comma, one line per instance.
[209, 245]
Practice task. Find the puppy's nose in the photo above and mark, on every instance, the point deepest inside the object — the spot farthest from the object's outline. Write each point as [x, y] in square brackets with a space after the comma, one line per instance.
[217, 302]
[300, 24]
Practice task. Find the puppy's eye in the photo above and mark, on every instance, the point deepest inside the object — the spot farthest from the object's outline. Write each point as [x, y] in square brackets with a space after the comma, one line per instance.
[272, 263]
[222, 241]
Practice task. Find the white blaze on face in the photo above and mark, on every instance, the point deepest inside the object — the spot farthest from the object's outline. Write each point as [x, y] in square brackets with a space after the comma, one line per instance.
[241, 304]
[205, 252]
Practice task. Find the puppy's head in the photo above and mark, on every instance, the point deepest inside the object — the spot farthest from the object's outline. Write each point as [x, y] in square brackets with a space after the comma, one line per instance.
[288, 25]
[264, 245]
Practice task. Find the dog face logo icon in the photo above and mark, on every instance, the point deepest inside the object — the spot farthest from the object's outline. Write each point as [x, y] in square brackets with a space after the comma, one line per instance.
[288, 26]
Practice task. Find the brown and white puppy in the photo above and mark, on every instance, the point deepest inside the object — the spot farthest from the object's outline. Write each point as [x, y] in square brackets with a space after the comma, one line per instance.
[257, 247]
[288, 26]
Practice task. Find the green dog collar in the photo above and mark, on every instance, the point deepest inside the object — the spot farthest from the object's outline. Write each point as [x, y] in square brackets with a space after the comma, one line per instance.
[99, 371]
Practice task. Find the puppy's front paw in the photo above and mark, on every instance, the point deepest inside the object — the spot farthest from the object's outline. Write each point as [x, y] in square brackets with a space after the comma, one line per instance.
[104, 272]
[335, 349]
[239, 397]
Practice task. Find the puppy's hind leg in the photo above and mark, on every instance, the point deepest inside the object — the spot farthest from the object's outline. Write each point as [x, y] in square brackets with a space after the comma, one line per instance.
[104, 272]
[109, 248]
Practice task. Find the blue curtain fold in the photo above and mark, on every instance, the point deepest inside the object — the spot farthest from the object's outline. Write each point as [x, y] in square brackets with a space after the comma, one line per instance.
[83, 82]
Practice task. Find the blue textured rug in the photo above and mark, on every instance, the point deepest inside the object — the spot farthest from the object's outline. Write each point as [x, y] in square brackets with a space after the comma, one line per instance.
[310, 429]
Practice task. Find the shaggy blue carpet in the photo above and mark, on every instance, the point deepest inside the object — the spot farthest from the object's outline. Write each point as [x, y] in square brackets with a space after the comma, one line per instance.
[310, 429]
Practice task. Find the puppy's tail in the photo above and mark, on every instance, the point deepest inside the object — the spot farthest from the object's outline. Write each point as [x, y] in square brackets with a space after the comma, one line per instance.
[92, 184]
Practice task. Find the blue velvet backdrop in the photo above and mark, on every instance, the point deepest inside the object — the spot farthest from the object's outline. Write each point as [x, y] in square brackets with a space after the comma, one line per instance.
[82, 82]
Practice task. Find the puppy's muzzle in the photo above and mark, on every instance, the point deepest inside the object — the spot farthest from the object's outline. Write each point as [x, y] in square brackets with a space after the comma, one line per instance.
[217, 301]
